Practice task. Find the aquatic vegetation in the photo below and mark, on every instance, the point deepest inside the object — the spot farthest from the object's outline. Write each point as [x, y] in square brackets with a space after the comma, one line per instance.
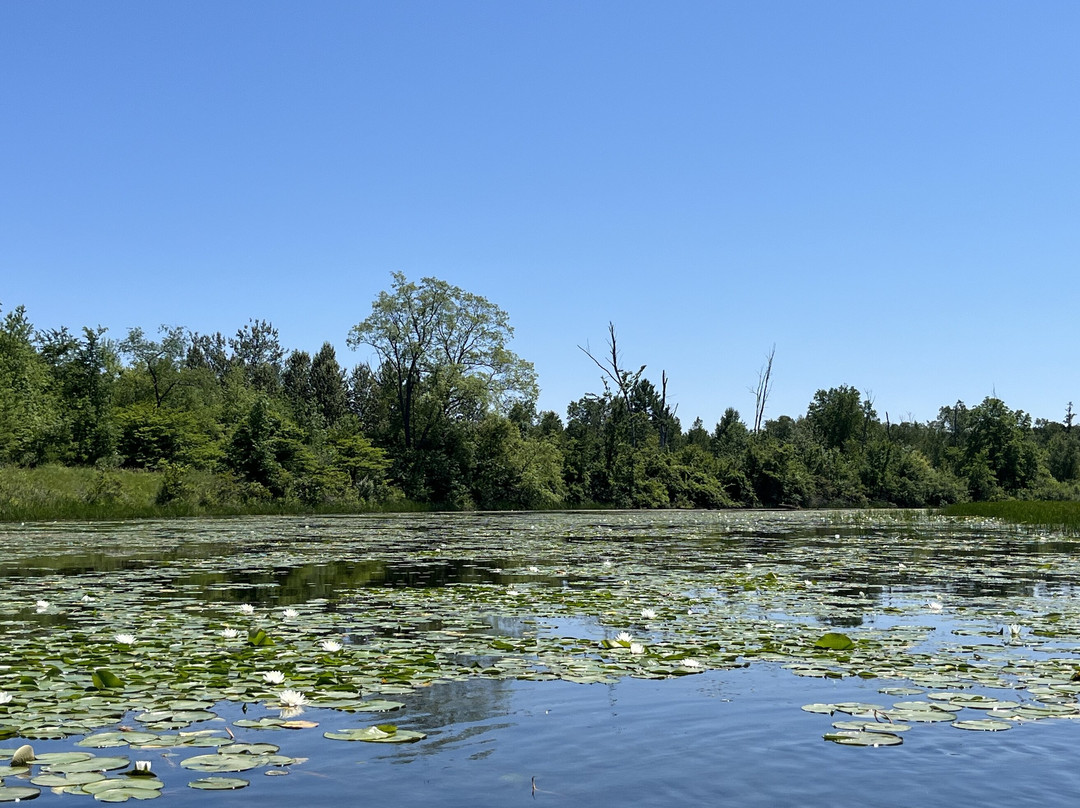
[405, 603]
[1062, 516]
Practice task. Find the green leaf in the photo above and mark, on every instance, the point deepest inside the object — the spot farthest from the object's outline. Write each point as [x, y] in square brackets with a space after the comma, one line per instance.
[259, 638]
[386, 733]
[18, 793]
[835, 641]
[105, 679]
[219, 783]
[857, 738]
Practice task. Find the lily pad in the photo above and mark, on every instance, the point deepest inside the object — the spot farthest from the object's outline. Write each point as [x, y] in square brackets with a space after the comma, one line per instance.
[18, 793]
[219, 783]
[223, 763]
[834, 641]
[983, 724]
[856, 738]
[381, 734]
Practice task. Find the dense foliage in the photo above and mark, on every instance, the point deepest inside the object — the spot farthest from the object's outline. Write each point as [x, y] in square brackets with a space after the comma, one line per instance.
[447, 417]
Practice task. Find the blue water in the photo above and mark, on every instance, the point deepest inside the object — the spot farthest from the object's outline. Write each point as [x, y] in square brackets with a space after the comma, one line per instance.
[720, 738]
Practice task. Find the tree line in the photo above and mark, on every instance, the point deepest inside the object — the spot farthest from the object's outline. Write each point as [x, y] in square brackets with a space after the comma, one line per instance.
[446, 416]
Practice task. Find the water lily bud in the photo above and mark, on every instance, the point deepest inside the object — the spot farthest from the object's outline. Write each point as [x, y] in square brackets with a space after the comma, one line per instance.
[23, 755]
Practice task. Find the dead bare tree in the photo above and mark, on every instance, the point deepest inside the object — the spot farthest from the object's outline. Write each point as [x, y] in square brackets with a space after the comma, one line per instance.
[761, 392]
[624, 380]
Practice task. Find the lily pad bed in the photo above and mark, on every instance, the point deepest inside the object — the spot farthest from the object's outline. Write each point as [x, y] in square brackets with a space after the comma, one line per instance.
[134, 635]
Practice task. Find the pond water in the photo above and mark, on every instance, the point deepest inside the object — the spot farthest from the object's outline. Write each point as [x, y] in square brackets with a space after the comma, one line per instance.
[570, 658]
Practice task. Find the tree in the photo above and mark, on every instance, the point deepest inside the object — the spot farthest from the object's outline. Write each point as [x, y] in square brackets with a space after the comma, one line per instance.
[83, 372]
[625, 381]
[445, 348]
[836, 415]
[28, 411]
[256, 350]
[328, 385]
[761, 392]
[161, 359]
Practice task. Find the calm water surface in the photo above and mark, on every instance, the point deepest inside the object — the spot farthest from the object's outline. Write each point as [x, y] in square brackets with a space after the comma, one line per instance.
[726, 737]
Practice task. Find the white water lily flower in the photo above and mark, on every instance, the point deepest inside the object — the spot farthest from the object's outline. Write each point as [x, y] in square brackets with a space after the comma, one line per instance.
[4, 697]
[623, 636]
[289, 614]
[247, 608]
[332, 646]
[229, 633]
[125, 639]
[648, 614]
[935, 605]
[42, 605]
[273, 677]
[86, 599]
[292, 698]
[691, 663]
[1015, 629]
[512, 592]
[637, 648]
[142, 766]
[534, 569]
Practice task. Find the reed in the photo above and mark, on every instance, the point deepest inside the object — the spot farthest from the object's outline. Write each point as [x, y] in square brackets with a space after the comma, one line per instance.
[1063, 515]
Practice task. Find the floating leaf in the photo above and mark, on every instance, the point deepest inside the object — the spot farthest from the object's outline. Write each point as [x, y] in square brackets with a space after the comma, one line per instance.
[983, 724]
[105, 679]
[18, 793]
[223, 763]
[856, 738]
[835, 641]
[219, 783]
[386, 733]
[259, 638]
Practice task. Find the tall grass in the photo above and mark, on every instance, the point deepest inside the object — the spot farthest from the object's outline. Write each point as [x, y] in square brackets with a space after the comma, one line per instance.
[50, 493]
[1063, 516]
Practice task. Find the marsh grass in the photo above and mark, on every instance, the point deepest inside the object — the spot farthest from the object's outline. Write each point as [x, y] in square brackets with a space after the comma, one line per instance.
[54, 492]
[1063, 516]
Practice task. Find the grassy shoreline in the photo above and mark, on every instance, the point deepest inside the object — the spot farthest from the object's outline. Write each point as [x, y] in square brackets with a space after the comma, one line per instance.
[1058, 515]
[64, 493]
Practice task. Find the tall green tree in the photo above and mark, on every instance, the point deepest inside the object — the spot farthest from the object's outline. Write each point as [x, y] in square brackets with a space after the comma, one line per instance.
[29, 413]
[161, 359]
[328, 390]
[83, 372]
[443, 352]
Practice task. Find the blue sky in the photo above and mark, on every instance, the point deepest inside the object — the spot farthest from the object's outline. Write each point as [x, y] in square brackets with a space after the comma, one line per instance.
[889, 193]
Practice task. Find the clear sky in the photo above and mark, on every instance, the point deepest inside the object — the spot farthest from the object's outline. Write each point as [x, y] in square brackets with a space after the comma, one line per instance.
[888, 192]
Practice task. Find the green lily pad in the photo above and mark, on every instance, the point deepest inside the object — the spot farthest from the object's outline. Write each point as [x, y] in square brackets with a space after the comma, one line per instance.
[94, 764]
[219, 783]
[61, 758]
[983, 724]
[52, 780]
[385, 733]
[223, 763]
[856, 738]
[835, 641]
[105, 679]
[18, 793]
